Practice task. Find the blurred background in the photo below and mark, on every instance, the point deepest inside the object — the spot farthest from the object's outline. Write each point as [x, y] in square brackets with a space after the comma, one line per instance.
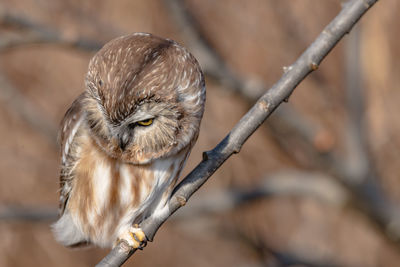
[317, 185]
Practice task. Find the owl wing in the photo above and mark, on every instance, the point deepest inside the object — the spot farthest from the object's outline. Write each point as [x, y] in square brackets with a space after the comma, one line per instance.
[70, 126]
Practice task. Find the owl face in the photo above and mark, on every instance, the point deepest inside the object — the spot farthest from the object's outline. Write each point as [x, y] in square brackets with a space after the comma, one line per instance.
[145, 98]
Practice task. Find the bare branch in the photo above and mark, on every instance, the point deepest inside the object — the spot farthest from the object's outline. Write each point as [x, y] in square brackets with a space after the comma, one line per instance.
[309, 61]
[356, 171]
[40, 34]
[32, 214]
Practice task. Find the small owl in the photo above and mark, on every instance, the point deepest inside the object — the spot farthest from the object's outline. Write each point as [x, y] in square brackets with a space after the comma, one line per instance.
[126, 138]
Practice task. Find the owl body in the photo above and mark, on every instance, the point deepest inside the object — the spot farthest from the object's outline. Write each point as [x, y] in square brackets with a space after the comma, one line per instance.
[126, 139]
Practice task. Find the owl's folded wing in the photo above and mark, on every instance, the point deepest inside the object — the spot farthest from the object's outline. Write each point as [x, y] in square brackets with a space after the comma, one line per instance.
[70, 126]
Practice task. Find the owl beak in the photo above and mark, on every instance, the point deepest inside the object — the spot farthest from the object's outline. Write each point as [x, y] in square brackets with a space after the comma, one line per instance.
[123, 139]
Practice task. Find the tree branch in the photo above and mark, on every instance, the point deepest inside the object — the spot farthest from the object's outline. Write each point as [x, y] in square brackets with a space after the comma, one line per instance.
[212, 160]
[38, 33]
[356, 170]
[30, 214]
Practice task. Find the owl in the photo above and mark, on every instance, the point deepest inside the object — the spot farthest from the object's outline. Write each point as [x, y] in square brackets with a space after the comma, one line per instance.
[126, 138]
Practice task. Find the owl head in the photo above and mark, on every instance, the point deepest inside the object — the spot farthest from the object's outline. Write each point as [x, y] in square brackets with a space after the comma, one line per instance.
[144, 98]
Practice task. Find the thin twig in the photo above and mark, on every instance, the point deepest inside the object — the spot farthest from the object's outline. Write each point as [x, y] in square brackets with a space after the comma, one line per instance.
[309, 61]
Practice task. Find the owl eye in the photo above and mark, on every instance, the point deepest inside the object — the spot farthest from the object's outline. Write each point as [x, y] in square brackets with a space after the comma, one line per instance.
[145, 122]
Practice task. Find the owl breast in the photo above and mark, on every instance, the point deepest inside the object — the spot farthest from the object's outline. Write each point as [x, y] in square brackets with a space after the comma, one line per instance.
[108, 195]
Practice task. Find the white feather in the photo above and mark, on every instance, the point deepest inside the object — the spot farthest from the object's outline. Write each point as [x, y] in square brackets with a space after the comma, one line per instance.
[66, 231]
[101, 187]
[70, 139]
[125, 187]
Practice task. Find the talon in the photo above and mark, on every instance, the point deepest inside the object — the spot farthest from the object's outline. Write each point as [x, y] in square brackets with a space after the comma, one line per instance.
[139, 236]
[135, 237]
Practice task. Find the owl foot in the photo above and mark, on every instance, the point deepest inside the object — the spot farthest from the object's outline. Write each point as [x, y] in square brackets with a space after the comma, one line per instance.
[134, 237]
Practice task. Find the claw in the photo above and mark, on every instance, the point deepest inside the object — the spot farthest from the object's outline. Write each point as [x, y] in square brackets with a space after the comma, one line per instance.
[134, 237]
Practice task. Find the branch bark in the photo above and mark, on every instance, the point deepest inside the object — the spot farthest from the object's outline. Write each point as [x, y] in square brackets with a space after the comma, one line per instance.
[309, 61]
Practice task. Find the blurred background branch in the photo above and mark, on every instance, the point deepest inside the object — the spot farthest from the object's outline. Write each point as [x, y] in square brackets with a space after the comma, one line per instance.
[35, 33]
[28, 214]
[289, 183]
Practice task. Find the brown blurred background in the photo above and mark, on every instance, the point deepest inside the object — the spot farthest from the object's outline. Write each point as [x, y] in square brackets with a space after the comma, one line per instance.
[317, 185]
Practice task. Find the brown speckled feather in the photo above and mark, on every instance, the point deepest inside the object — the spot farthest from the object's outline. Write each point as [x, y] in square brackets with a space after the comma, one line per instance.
[69, 128]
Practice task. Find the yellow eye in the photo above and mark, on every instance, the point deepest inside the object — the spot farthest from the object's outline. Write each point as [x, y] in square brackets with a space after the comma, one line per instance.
[145, 122]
